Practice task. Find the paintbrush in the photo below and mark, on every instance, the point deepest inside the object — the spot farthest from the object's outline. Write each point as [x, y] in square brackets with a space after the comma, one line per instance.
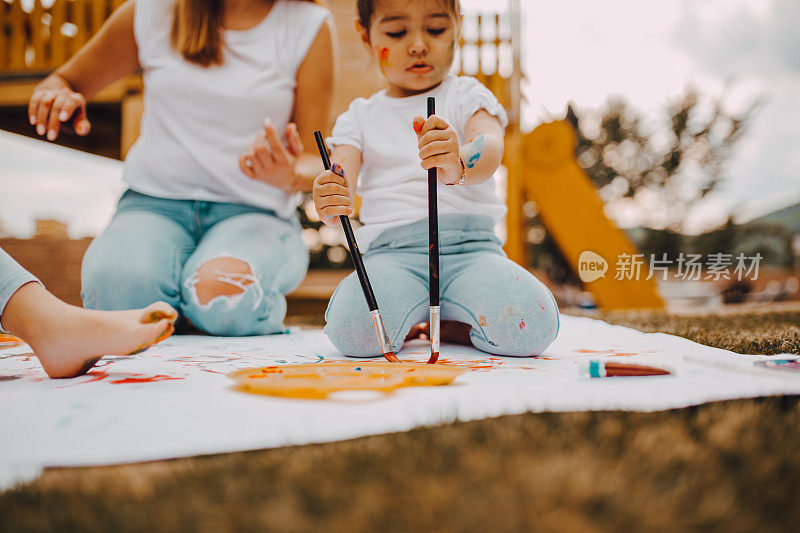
[433, 253]
[601, 369]
[355, 254]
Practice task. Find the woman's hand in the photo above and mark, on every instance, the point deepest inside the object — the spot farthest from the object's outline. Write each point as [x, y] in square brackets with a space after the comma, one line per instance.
[268, 161]
[438, 147]
[332, 196]
[54, 102]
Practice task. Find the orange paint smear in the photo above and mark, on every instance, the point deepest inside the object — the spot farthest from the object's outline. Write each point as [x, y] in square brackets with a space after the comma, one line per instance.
[9, 341]
[471, 365]
[383, 59]
[612, 353]
[318, 380]
[123, 379]
[151, 379]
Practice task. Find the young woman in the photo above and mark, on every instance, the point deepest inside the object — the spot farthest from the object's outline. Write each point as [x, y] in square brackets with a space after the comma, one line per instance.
[233, 90]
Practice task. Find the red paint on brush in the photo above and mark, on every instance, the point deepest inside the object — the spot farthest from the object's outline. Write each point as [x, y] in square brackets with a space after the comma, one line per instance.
[434, 357]
[391, 357]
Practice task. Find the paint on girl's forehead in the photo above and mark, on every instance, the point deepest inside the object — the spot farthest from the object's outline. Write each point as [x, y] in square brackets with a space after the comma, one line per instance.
[383, 59]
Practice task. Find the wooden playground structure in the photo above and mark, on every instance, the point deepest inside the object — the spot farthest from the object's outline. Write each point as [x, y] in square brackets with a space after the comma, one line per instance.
[37, 36]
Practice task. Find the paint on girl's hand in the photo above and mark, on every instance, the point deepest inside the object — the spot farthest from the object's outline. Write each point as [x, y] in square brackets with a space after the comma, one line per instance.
[383, 59]
[337, 169]
[476, 147]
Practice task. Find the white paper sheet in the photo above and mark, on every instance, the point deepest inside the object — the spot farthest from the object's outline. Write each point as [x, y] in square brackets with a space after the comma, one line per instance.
[174, 400]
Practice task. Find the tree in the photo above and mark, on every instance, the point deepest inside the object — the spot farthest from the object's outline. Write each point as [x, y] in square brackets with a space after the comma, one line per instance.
[662, 170]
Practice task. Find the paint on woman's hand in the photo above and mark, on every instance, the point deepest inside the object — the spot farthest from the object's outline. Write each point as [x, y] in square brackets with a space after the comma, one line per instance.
[476, 148]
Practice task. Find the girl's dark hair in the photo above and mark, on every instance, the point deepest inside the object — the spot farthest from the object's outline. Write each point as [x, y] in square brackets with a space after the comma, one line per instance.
[366, 8]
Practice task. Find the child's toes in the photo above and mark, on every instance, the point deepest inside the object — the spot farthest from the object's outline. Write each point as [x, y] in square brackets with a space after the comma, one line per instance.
[159, 311]
[165, 328]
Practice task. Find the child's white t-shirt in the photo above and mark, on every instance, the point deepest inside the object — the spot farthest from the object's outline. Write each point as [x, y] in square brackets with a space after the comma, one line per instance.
[197, 120]
[392, 184]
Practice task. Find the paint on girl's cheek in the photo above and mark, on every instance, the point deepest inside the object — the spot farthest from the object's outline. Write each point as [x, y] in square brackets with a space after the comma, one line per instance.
[383, 59]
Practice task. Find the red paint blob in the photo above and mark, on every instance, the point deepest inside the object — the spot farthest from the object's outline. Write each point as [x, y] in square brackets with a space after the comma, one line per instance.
[151, 379]
[522, 324]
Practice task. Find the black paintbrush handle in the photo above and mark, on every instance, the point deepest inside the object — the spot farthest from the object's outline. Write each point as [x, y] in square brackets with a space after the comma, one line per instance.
[433, 224]
[355, 254]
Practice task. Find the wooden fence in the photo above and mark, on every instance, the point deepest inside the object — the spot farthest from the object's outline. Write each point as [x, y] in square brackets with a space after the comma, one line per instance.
[38, 36]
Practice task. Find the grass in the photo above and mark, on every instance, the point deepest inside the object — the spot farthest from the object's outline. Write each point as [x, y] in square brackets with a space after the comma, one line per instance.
[729, 466]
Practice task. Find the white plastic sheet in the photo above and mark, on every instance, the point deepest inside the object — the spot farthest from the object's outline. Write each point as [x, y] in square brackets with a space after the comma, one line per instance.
[175, 400]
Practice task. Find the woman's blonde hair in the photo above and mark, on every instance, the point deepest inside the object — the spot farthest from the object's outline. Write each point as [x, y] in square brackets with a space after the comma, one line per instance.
[197, 30]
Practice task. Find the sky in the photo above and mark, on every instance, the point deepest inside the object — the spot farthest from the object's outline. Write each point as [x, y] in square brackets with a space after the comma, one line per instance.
[581, 51]
[648, 52]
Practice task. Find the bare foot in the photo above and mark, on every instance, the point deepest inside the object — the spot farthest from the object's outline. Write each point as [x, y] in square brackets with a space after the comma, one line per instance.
[450, 330]
[69, 340]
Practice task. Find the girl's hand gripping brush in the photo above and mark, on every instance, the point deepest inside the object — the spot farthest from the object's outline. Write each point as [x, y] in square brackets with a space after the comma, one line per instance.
[377, 321]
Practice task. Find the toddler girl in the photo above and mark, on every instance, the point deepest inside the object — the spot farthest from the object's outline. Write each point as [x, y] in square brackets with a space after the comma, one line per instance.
[486, 299]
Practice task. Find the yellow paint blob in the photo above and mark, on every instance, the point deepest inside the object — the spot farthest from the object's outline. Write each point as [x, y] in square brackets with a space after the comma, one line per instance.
[318, 380]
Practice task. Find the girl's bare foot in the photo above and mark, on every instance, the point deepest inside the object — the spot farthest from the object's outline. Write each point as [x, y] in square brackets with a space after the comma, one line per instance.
[69, 340]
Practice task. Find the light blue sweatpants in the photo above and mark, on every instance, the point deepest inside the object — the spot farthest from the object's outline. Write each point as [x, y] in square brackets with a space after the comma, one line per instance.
[153, 248]
[510, 311]
[12, 277]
